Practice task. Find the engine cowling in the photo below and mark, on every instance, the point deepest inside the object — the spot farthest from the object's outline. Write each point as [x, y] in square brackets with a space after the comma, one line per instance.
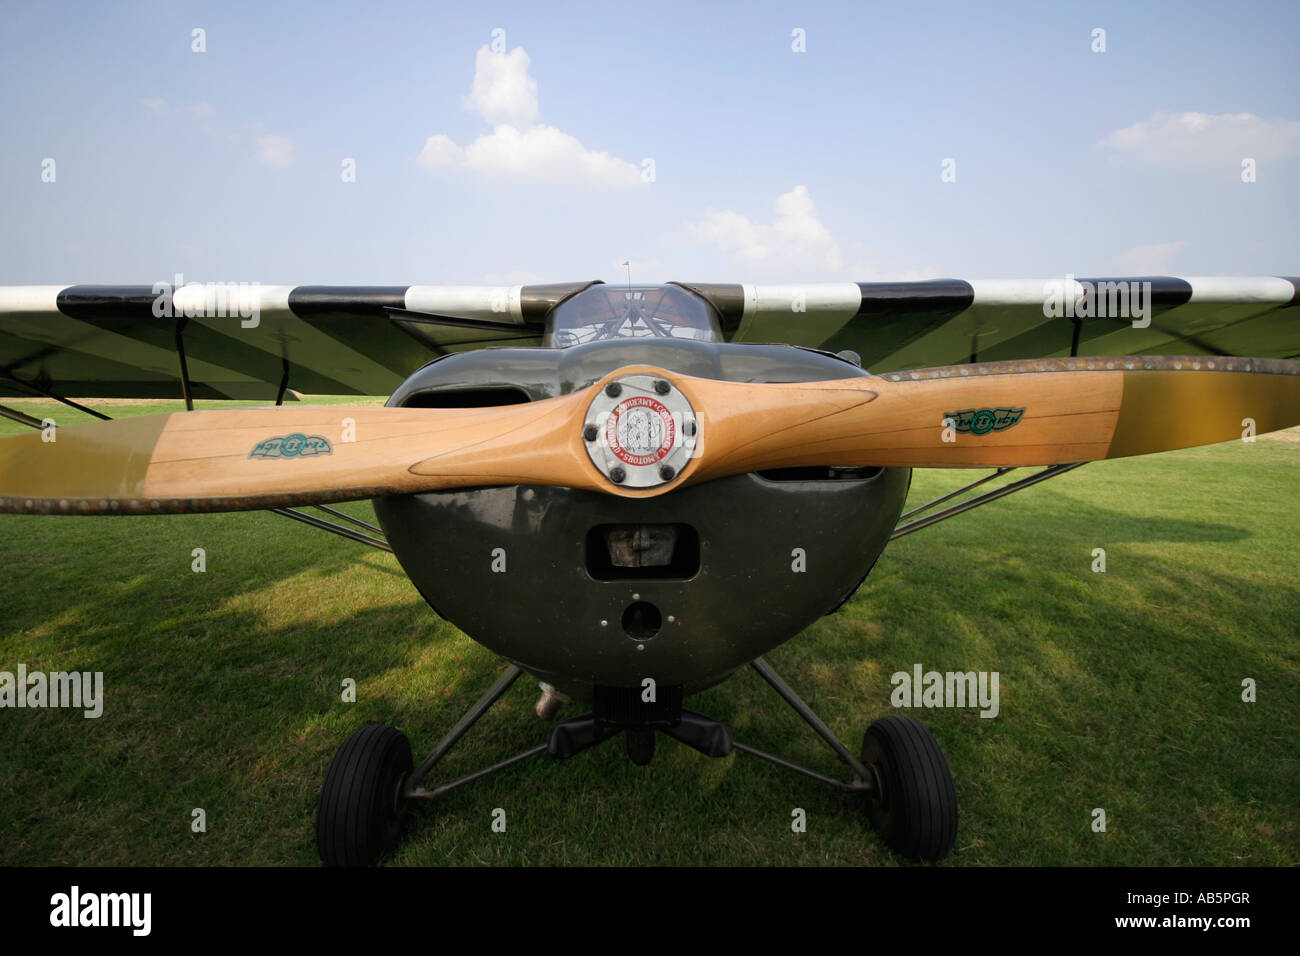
[583, 589]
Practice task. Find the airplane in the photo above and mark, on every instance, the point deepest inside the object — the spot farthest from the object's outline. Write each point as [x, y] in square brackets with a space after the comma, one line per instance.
[702, 470]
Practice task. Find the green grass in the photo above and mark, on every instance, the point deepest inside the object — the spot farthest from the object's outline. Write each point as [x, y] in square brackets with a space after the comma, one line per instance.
[1118, 690]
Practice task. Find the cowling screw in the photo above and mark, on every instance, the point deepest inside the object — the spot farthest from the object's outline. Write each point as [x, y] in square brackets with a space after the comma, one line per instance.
[617, 475]
[590, 433]
[666, 472]
[613, 390]
[662, 387]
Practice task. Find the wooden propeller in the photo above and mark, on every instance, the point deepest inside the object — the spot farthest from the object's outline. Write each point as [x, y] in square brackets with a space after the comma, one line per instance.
[1007, 414]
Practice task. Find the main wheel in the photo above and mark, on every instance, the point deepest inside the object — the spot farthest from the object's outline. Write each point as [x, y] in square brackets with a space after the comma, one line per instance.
[914, 806]
[361, 809]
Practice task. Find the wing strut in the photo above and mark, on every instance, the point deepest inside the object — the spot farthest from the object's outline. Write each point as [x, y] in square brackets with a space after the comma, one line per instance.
[953, 494]
[31, 386]
[907, 527]
[21, 417]
[334, 528]
[185, 368]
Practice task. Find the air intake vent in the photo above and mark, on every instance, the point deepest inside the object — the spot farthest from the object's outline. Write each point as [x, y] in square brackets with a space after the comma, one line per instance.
[467, 398]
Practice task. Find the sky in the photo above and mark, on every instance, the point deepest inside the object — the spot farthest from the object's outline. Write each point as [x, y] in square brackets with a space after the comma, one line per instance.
[420, 143]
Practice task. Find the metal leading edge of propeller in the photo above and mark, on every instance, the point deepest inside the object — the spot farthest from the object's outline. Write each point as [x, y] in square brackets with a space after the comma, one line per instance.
[640, 431]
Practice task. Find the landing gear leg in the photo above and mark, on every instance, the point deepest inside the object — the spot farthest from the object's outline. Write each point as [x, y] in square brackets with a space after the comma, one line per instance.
[902, 773]
[370, 783]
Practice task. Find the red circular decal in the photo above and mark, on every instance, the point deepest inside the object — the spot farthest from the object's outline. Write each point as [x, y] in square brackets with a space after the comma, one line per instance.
[640, 431]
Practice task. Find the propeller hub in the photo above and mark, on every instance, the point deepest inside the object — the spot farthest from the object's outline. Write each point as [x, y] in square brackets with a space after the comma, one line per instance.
[640, 431]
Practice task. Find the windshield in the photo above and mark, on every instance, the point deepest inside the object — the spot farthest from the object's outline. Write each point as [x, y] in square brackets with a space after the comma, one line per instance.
[631, 312]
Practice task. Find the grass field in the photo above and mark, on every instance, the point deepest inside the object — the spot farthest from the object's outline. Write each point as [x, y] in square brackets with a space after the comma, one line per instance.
[1119, 690]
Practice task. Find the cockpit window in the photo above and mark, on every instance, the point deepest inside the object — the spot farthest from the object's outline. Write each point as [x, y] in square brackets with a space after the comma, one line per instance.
[605, 312]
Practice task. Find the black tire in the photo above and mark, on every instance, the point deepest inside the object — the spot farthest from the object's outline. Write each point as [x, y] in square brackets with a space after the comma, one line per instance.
[915, 808]
[361, 811]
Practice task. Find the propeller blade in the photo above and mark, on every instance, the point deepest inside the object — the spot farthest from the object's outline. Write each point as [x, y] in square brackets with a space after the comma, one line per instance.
[271, 457]
[995, 414]
[641, 431]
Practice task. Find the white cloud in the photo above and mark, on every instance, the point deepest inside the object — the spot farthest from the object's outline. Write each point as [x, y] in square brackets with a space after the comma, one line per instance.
[1150, 259]
[1205, 139]
[546, 154]
[503, 91]
[795, 240]
[439, 152]
[795, 244]
[275, 151]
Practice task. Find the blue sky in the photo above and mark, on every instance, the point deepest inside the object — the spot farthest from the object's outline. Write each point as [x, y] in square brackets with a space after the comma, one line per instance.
[769, 164]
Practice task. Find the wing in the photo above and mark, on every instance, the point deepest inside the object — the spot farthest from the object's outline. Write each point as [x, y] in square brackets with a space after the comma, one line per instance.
[249, 341]
[907, 325]
[252, 342]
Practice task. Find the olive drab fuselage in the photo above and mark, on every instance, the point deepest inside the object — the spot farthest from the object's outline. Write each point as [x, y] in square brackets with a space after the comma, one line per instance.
[581, 588]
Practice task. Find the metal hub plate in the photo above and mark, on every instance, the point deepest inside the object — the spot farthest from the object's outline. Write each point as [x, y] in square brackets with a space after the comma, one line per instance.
[640, 431]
